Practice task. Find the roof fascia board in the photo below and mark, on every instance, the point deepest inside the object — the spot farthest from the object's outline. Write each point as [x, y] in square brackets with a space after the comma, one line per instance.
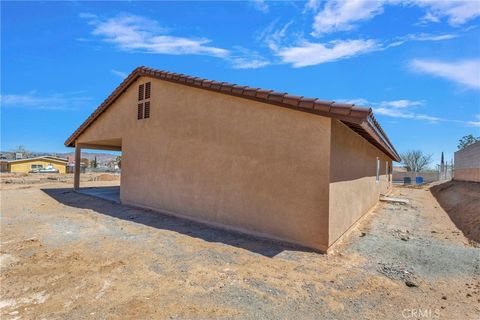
[36, 159]
[347, 113]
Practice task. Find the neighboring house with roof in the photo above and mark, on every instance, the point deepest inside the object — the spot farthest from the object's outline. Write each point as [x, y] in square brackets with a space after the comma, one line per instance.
[266, 163]
[33, 164]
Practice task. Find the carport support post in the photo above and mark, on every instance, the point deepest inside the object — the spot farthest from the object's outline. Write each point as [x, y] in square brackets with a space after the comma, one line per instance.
[76, 174]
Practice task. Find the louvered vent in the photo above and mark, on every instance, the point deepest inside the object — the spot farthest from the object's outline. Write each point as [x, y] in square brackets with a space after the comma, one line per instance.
[143, 108]
[140, 111]
[147, 90]
[140, 92]
[146, 113]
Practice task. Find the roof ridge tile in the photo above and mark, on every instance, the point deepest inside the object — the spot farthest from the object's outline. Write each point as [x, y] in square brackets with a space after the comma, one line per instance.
[350, 114]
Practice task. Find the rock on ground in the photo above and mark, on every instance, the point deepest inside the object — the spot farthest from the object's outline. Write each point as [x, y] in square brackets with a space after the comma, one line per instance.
[69, 256]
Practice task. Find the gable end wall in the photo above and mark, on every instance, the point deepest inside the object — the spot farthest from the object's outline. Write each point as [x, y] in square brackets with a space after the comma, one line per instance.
[227, 161]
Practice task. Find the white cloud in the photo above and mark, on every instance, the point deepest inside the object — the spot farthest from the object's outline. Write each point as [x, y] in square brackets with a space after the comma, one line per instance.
[120, 74]
[457, 12]
[311, 5]
[260, 5]
[401, 108]
[398, 41]
[135, 33]
[57, 101]
[402, 113]
[405, 109]
[392, 112]
[273, 37]
[464, 72]
[343, 15]
[309, 53]
[249, 63]
[247, 59]
[357, 102]
[429, 17]
[404, 103]
[430, 37]
[340, 15]
[474, 123]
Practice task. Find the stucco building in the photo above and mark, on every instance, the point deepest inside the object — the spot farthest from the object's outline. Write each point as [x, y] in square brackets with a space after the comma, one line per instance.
[467, 163]
[266, 163]
[33, 164]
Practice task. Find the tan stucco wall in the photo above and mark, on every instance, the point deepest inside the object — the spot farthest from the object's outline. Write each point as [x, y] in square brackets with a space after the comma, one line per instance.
[353, 187]
[216, 158]
[27, 165]
[470, 174]
[467, 163]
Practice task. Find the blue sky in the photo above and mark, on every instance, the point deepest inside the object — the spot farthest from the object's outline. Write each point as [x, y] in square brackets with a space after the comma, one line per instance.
[416, 63]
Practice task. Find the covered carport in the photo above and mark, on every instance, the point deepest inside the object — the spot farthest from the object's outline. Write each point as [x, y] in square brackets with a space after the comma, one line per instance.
[111, 193]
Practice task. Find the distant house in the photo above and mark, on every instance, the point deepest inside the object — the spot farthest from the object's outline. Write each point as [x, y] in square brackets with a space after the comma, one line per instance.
[467, 163]
[34, 164]
[71, 164]
[297, 169]
[112, 164]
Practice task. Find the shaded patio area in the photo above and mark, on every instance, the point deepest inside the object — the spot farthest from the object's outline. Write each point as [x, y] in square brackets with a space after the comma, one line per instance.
[161, 221]
[106, 193]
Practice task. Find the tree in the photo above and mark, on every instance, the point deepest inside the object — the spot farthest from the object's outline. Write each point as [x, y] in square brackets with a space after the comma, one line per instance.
[415, 160]
[466, 141]
[119, 161]
[94, 164]
[84, 162]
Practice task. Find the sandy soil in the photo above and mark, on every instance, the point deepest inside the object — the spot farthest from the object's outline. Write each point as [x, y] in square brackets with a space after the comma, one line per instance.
[28, 180]
[461, 200]
[70, 256]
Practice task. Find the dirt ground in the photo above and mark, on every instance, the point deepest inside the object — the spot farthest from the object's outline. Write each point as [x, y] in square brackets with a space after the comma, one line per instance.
[12, 180]
[66, 255]
[461, 200]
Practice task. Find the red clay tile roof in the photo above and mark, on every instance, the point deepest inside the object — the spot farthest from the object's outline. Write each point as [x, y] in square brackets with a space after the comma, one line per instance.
[359, 119]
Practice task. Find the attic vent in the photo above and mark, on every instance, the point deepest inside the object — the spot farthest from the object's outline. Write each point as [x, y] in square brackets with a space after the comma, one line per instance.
[140, 111]
[146, 113]
[147, 90]
[143, 107]
[140, 92]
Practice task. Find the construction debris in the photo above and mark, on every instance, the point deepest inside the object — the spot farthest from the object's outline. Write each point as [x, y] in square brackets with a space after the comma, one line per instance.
[394, 200]
[402, 234]
[398, 272]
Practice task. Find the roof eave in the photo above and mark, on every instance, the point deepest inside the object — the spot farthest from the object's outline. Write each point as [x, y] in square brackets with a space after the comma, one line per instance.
[384, 143]
[347, 113]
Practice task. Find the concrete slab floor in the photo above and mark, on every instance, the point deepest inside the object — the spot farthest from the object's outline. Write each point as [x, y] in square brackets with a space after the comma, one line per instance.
[107, 193]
